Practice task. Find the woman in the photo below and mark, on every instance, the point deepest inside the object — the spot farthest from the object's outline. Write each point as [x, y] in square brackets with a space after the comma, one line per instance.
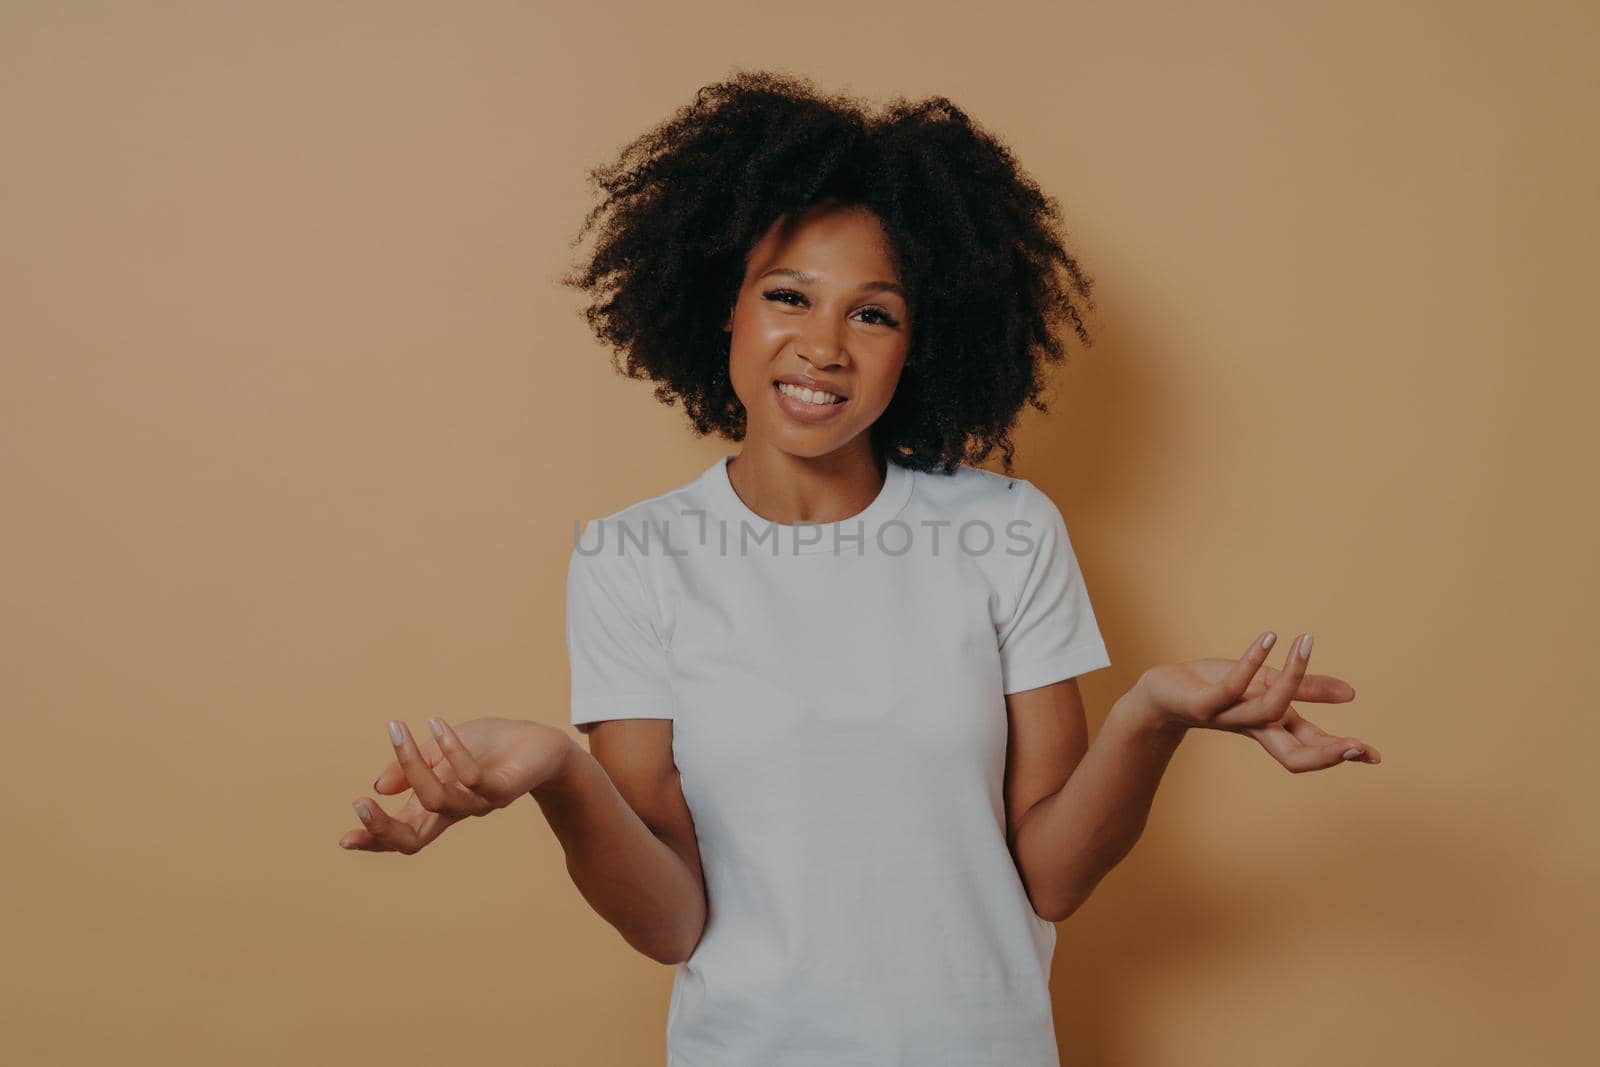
[838, 768]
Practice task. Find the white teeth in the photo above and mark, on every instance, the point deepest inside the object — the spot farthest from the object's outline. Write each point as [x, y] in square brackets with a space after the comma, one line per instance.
[810, 396]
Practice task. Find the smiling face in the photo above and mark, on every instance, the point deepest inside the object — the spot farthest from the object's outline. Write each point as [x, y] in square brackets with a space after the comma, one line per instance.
[820, 302]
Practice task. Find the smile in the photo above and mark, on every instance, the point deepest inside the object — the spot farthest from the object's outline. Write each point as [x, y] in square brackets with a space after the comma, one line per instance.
[810, 396]
[807, 405]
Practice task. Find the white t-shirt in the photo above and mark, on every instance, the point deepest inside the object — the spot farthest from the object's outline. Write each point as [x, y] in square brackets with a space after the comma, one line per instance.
[839, 727]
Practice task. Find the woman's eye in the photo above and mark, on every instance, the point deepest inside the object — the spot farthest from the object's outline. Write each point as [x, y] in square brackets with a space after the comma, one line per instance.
[782, 296]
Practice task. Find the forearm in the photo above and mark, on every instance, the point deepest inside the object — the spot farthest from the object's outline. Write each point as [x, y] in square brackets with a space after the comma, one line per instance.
[1070, 840]
[632, 878]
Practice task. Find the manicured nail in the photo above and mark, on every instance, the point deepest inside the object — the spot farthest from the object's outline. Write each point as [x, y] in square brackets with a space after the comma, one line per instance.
[436, 726]
[394, 732]
[1352, 753]
[1266, 642]
[1305, 647]
[361, 812]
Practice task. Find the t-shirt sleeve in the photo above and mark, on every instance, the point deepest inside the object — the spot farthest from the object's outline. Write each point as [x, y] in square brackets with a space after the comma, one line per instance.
[618, 658]
[1051, 632]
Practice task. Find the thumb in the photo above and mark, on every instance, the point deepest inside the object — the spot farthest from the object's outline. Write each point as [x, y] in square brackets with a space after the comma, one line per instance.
[391, 780]
[1349, 748]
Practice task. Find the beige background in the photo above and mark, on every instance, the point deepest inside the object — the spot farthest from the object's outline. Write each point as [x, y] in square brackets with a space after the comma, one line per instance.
[295, 422]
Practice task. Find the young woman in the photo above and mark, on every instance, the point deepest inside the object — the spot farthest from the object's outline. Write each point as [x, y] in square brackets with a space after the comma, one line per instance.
[838, 767]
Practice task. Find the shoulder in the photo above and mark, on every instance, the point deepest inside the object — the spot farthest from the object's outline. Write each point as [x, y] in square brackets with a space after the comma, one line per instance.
[613, 559]
[971, 492]
[631, 530]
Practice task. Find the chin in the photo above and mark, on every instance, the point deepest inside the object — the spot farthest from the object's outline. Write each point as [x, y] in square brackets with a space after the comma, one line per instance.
[813, 445]
[808, 446]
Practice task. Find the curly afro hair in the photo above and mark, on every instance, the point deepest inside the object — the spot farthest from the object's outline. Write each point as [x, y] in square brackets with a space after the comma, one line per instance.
[978, 245]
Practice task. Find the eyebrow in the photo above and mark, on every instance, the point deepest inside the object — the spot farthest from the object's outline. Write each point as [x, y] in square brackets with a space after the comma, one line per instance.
[865, 287]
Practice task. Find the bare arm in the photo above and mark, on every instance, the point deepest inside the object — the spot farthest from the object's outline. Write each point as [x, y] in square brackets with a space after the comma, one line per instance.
[1085, 812]
[1065, 840]
[620, 816]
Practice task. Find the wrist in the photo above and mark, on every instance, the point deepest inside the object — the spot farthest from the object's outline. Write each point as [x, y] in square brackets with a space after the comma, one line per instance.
[563, 763]
[1144, 716]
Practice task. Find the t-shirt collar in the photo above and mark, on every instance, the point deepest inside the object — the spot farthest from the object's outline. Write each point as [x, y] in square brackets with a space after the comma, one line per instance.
[807, 538]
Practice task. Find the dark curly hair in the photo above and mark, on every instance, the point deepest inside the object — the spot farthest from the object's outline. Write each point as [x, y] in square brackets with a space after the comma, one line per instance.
[978, 245]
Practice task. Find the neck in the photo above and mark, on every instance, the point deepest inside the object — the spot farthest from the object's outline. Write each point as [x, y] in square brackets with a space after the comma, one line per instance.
[782, 487]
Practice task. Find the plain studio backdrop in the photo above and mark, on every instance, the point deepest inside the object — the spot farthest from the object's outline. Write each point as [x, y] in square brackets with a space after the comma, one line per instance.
[295, 422]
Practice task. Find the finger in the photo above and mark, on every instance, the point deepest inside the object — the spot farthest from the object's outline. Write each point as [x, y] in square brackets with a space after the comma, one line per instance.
[1310, 733]
[1313, 688]
[1270, 705]
[359, 839]
[459, 801]
[392, 834]
[426, 824]
[1275, 702]
[392, 779]
[444, 772]
[1227, 692]
[418, 769]
[1324, 689]
[463, 801]
[1307, 732]
[1303, 728]
[1295, 755]
[467, 771]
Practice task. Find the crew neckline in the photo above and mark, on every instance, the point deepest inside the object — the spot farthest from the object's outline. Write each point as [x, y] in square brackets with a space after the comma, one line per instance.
[891, 498]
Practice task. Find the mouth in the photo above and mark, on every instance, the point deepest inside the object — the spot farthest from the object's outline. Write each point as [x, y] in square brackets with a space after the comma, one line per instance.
[806, 405]
[814, 397]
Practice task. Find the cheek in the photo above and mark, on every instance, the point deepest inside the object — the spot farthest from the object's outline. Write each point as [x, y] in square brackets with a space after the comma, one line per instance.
[744, 358]
[748, 370]
[886, 378]
[764, 329]
[753, 329]
[752, 346]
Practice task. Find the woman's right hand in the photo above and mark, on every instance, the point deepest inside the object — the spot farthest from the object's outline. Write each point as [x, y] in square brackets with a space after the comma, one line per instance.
[476, 768]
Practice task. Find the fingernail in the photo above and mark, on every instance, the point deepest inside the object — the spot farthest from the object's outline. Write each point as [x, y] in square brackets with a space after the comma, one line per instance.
[1305, 647]
[361, 812]
[1352, 753]
[394, 732]
[436, 726]
[1266, 642]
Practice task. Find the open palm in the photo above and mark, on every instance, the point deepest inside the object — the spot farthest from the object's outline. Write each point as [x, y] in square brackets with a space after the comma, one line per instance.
[1245, 696]
[475, 768]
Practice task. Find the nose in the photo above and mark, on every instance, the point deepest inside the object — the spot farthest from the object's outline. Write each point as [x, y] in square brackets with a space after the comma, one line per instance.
[820, 350]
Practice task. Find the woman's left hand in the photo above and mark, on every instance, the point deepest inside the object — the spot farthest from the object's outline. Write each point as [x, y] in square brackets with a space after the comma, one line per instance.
[1246, 696]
